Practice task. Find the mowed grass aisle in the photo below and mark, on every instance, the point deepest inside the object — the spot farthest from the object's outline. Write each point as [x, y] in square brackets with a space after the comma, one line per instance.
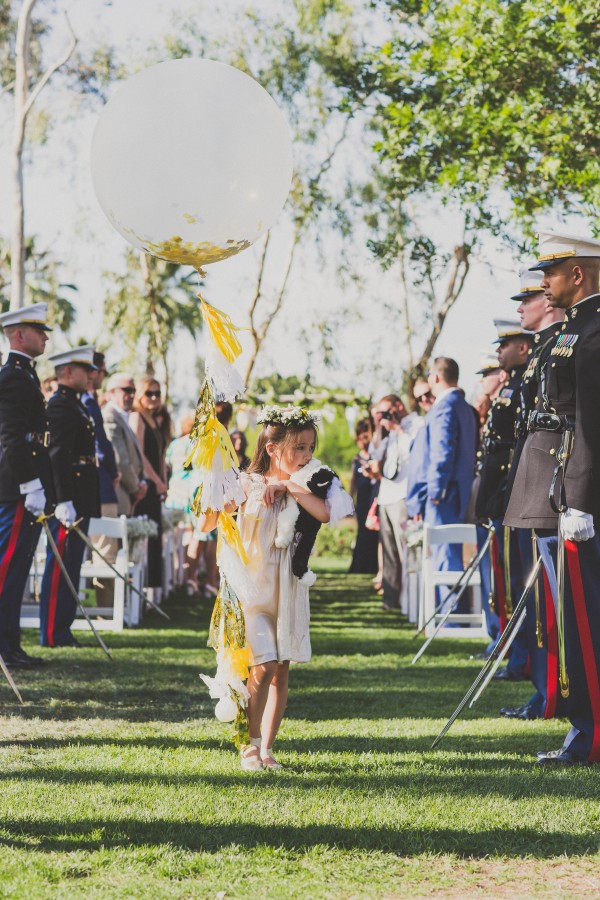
[117, 781]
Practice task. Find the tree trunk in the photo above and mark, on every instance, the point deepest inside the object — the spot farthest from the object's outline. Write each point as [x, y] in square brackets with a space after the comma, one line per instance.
[17, 263]
[458, 273]
[23, 102]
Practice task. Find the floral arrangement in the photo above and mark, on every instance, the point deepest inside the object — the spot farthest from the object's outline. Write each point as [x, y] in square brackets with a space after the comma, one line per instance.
[413, 534]
[140, 527]
[287, 415]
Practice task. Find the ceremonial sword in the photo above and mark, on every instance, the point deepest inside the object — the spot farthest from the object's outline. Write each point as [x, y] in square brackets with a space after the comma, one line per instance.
[128, 581]
[44, 520]
[476, 559]
[10, 680]
[506, 636]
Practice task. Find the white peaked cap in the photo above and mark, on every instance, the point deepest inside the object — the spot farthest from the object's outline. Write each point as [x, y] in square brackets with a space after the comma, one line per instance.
[557, 246]
[488, 362]
[508, 328]
[531, 282]
[81, 356]
[27, 315]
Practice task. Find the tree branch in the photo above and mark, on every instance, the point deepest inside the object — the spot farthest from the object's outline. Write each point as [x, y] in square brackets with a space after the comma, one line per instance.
[45, 78]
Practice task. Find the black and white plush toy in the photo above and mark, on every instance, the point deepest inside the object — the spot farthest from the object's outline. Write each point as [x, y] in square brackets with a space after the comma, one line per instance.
[296, 524]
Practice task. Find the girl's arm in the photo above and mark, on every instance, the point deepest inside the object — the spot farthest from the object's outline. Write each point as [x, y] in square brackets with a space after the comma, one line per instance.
[208, 521]
[304, 498]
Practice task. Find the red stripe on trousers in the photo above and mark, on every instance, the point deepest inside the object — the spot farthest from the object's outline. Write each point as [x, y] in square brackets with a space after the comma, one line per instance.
[551, 652]
[587, 647]
[56, 573]
[499, 592]
[12, 543]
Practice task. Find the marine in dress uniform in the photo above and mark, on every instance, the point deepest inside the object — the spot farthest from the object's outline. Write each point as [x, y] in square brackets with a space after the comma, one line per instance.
[494, 458]
[559, 469]
[77, 486]
[540, 622]
[25, 477]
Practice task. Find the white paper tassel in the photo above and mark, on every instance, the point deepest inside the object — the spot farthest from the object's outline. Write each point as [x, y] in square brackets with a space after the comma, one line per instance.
[241, 579]
[226, 381]
[220, 488]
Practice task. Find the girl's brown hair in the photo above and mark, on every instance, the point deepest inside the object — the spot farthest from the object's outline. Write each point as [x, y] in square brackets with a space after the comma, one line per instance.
[283, 436]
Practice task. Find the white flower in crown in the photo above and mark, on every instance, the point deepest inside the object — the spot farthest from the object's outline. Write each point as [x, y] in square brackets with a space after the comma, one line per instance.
[287, 415]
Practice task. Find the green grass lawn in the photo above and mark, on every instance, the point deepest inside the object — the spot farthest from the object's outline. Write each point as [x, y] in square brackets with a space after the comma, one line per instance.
[117, 781]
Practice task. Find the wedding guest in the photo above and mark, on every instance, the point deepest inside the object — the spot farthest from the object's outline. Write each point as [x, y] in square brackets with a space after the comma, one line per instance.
[240, 445]
[108, 474]
[132, 485]
[363, 490]
[143, 422]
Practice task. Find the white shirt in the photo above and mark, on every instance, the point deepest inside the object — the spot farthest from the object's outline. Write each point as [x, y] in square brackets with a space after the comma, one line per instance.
[393, 485]
[443, 394]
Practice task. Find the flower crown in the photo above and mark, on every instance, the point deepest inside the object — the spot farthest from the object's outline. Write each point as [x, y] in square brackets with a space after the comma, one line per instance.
[287, 415]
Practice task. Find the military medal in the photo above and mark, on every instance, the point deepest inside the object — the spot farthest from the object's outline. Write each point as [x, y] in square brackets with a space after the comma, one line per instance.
[564, 345]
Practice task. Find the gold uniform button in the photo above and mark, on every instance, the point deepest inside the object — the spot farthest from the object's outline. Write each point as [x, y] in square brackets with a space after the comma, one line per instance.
[552, 451]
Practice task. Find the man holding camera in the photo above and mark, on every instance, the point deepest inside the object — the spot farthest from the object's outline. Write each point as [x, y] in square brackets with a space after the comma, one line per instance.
[389, 451]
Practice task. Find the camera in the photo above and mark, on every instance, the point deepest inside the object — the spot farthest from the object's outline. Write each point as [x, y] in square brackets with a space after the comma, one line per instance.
[387, 414]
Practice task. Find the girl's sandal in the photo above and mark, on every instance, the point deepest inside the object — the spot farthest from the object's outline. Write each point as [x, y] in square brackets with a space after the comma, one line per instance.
[250, 760]
[268, 760]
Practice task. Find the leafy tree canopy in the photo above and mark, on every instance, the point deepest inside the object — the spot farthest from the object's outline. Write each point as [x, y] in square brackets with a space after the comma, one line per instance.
[493, 93]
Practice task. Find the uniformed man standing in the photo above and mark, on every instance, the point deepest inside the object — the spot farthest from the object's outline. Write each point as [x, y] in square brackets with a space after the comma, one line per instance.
[538, 316]
[497, 445]
[25, 477]
[75, 474]
[557, 484]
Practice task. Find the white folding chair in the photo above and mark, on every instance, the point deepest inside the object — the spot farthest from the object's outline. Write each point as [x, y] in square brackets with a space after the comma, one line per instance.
[469, 624]
[107, 618]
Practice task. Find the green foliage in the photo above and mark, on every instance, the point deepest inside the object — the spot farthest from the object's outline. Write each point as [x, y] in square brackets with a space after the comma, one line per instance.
[484, 94]
[149, 303]
[117, 780]
[42, 283]
[336, 444]
[336, 543]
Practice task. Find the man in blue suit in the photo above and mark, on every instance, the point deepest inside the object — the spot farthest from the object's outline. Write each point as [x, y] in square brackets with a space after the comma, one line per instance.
[448, 463]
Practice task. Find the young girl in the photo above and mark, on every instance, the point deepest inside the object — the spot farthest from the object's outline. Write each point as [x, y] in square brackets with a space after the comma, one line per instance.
[277, 621]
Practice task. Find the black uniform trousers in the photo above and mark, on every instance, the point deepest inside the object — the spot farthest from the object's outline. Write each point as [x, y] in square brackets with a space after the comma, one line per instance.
[19, 534]
[58, 606]
[582, 638]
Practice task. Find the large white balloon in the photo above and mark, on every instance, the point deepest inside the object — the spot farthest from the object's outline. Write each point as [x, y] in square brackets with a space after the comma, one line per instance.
[226, 709]
[191, 160]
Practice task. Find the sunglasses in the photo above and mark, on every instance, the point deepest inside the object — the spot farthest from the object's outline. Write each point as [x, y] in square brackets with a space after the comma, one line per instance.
[127, 390]
[427, 396]
[152, 395]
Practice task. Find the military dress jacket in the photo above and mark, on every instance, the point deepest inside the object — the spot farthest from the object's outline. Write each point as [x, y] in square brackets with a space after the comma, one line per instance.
[497, 445]
[569, 386]
[543, 343]
[73, 452]
[23, 430]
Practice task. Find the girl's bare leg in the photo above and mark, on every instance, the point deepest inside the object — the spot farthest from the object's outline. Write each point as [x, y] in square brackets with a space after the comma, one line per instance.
[274, 709]
[212, 570]
[259, 682]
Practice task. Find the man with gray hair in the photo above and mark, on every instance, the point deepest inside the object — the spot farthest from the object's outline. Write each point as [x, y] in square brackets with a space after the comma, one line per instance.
[132, 487]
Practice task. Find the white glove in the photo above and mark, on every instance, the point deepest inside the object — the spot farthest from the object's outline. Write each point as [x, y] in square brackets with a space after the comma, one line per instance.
[576, 525]
[65, 513]
[35, 502]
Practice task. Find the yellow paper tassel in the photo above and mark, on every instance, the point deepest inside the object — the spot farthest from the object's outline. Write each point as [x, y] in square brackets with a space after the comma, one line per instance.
[228, 531]
[222, 330]
[227, 624]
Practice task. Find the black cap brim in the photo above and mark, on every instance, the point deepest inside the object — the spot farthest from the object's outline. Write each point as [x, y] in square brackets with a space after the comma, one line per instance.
[523, 294]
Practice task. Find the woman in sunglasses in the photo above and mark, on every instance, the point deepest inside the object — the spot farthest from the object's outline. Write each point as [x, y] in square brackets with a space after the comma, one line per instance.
[143, 421]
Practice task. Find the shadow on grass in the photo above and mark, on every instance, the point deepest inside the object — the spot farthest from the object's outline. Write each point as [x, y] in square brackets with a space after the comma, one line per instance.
[96, 834]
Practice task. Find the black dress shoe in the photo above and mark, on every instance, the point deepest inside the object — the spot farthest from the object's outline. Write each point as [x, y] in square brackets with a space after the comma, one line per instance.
[527, 713]
[507, 674]
[510, 712]
[29, 660]
[560, 758]
[14, 661]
